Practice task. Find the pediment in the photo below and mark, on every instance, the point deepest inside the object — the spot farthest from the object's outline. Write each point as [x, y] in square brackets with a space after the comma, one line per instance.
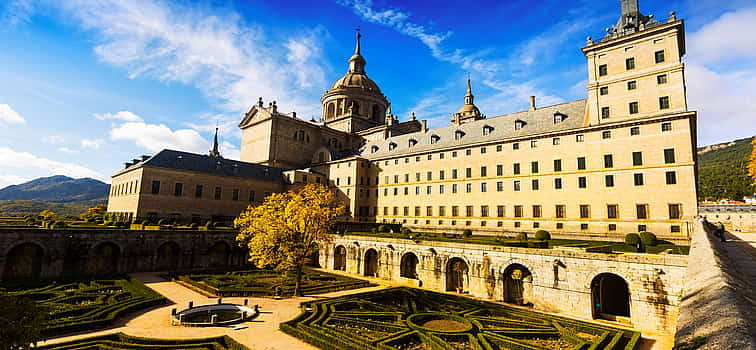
[255, 115]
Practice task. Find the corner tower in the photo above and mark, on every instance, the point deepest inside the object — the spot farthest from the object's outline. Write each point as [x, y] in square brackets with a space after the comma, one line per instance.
[636, 69]
[469, 112]
[354, 102]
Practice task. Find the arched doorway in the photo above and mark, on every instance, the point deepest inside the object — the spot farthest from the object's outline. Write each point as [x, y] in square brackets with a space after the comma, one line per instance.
[218, 254]
[314, 258]
[168, 255]
[408, 267]
[339, 258]
[371, 263]
[104, 259]
[516, 279]
[456, 275]
[23, 262]
[610, 297]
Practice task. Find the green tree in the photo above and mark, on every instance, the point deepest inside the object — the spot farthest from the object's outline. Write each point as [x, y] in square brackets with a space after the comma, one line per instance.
[283, 231]
[752, 161]
[21, 322]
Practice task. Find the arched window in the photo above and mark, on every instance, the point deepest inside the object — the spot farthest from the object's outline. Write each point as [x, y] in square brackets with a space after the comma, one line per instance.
[355, 107]
[412, 142]
[392, 146]
[434, 139]
[371, 263]
[409, 266]
[611, 296]
[487, 130]
[374, 149]
[331, 111]
[459, 134]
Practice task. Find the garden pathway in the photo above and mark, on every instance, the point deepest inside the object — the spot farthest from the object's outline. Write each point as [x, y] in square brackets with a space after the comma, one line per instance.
[262, 333]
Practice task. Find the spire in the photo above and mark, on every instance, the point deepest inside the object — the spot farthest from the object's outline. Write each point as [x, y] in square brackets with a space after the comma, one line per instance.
[357, 47]
[469, 96]
[357, 62]
[214, 152]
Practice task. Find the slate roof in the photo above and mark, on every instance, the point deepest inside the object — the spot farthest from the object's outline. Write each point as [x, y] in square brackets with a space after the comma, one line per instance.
[536, 122]
[212, 165]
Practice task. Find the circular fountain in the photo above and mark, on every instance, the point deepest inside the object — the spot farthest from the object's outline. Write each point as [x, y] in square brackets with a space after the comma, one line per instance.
[215, 315]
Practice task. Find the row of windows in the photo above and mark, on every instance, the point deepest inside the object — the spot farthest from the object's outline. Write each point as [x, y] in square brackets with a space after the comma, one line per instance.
[630, 63]
[634, 131]
[674, 211]
[518, 224]
[633, 84]
[199, 191]
[121, 189]
[633, 108]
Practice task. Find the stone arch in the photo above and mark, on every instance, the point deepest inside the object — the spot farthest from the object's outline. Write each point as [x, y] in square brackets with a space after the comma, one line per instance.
[457, 275]
[371, 263]
[408, 267]
[104, 259]
[610, 296]
[167, 256]
[218, 254]
[339, 258]
[23, 262]
[517, 284]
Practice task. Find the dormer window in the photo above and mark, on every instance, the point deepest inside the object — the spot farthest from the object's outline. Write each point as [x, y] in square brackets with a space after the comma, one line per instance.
[392, 146]
[412, 142]
[459, 134]
[374, 149]
[559, 117]
[519, 124]
[487, 130]
[434, 139]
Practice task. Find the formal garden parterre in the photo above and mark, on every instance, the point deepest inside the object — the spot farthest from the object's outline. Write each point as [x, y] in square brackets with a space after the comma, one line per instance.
[118, 341]
[85, 304]
[410, 318]
[264, 282]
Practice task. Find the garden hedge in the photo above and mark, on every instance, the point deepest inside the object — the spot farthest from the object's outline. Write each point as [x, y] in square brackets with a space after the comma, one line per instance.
[118, 341]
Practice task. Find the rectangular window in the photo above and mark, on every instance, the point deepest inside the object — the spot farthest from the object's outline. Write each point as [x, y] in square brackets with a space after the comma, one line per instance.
[664, 102]
[396, 179]
[516, 168]
[499, 186]
[604, 90]
[604, 112]
[468, 172]
[468, 152]
[609, 180]
[674, 211]
[198, 191]
[611, 211]
[441, 175]
[558, 183]
[659, 56]
[499, 170]
[612, 227]
[429, 175]
[498, 148]
[669, 155]
[455, 210]
[429, 211]
[516, 184]
[608, 161]
[468, 188]
[557, 165]
[560, 211]
[441, 189]
[632, 85]
[483, 187]
[635, 131]
[442, 211]
[559, 225]
[633, 106]
[603, 70]
[483, 149]
[251, 196]
[178, 189]
[638, 179]
[406, 211]
[395, 211]
[582, 182]
[584, 227]
[406, 191]
[454, 188]
[536, 211]
[606, 134]
[155, 187]
[417, 211]
[630, 63]
[454, 154]
[641, 211]
[469, 211]
[556, 141]
[484, 211]
[641, 228]
[235, 194]
[428, 189]
[483, 171]
[533, 144]
[579, 138]
[671, 177]
[385, 211]
[500, 211]
[417, 176]
[581, 163]
[454, 173]
[637, 158]
[661, 79]
[666, 126]
[534, 167]
[585, 211]
[674, 229]
[534, 185]
[518, 211]
[217, 195]
[516, 146]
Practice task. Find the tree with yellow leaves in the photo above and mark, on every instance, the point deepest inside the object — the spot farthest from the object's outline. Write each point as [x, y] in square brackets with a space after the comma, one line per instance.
[752, 162]
[283, 230]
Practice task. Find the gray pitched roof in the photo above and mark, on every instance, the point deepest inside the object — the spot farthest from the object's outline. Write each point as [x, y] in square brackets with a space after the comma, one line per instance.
[212, 165]
[536, 122]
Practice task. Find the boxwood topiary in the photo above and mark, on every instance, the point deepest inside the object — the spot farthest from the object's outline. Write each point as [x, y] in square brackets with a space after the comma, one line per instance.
[209, 225]
[542, 235]
[467, 233]
[405, 231]
[522, 236]
[383, 228]
[632, 239]
[648, 238]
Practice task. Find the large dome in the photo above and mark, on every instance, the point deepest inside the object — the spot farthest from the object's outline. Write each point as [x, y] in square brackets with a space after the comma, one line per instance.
[356, 80]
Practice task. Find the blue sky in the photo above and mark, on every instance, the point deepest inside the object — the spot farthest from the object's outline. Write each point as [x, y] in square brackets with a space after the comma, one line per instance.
[86, 85]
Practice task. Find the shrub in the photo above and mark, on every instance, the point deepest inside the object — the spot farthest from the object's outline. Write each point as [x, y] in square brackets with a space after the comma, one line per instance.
[522, 236]
[405, 231]
[542, 235]
[373, 230]
[108, 223]
[209, 225]
[100, 222]
[632, 239]
[648, 239]
[58, 224]
[194, 225]
[162, 222]
[467, 233]
[383, 228]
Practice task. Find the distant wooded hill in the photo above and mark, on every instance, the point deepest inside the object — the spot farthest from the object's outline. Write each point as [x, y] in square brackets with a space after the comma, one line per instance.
[61, 194]
[723, 172]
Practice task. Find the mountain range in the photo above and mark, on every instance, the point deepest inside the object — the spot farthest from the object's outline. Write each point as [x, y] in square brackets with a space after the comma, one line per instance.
[62, 194]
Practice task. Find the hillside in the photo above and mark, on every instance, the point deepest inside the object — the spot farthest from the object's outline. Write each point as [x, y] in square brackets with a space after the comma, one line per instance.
[722, 171]
[57, 188]
[27, 207]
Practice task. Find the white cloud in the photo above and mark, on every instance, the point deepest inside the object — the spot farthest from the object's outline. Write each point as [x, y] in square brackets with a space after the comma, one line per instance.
[16, 12]
[25, 160]
[122, 115]
[229, 150]
[92, 143]
[9, 116]
[155, 137]
[7, 180]
[67, 150]
[725, 39]
[54, 139]
[230, 60]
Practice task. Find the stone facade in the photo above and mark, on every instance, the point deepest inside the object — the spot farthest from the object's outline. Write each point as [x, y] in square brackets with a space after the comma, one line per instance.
[735, 217]
[27, 254]
[554, 280]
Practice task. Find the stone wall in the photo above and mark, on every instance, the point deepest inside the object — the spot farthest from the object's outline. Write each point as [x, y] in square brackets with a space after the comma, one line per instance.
[554, 280]
[718, 303]
[27, 254]
[735, 217]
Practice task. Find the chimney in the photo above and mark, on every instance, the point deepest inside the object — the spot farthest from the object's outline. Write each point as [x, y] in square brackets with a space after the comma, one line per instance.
[294, 114]
[126, 165]
[424, 124]
[532, 103]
